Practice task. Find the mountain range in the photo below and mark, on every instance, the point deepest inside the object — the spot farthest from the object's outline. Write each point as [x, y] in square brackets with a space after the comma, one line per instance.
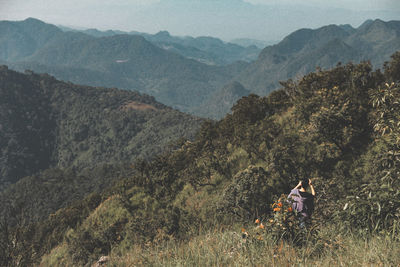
[306, 50]
[173, 69]
[123, 61]
[209, 50]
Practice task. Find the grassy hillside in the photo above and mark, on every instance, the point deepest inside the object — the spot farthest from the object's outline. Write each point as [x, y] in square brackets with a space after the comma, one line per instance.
[338, 127]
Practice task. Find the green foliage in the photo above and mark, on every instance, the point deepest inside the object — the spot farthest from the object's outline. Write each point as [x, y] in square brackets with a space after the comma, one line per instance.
[68, 141]
[392, 68]
[98, 232]
[375, 206]
[248, 194]
[285, 223]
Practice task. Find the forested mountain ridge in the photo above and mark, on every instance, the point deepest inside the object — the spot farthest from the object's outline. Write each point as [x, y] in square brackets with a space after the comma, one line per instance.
[209, 50]
[31, 34]
[304, 50]
[131, 62]
[338, 126]
[47, 123]
[123, 61]
[21, 39]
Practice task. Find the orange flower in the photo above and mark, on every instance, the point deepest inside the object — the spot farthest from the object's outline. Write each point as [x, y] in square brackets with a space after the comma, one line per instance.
[289, 209]
[277, 209]
[280, 204]
[243, 230]
[257, 221]
[262, 226]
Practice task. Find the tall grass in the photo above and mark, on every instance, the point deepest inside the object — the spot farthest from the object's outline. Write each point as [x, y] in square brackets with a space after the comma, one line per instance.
[227, 247]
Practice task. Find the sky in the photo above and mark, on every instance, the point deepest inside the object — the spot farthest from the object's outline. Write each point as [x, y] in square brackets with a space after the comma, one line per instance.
[268, 20]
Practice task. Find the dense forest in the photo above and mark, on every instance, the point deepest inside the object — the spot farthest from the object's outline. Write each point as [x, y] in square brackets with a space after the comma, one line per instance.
[59, 141]
[196, 203]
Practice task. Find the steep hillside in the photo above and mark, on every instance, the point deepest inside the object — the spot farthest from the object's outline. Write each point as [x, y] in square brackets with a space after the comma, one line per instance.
[221, 101]
[338, 127]
[305, 50]
[377, 39]
[48, 123]
[27, 125]
[21, 39]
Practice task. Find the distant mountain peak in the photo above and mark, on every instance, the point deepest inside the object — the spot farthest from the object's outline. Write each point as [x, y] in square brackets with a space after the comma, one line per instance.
[163, 34]
[365, 23]
[377, 23]
[30, 19]
[348, 28]
[368, 24]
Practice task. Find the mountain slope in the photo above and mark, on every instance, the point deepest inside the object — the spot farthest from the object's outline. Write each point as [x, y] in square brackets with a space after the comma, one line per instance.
[305, 50]
[221, 101]
[21, 39]
[47, 123]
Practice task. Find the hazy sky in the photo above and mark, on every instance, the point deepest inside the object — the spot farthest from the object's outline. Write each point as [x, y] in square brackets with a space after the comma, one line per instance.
[226, 19]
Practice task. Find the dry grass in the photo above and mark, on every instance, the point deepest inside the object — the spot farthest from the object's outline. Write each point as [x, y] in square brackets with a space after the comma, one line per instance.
[229, 248]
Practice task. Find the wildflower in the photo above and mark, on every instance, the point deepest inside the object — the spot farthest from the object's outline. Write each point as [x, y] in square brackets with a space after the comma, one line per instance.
[244, 233]
[262, 226]
[257, 221]
[277, 209]
[290, 209]
[280, 204]
[271, 221]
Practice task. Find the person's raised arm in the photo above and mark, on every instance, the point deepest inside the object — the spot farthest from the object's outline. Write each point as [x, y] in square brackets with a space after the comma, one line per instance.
[312, 187]
[298, 185]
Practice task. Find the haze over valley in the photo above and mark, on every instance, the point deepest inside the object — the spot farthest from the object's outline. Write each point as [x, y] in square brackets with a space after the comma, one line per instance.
[189, 73]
